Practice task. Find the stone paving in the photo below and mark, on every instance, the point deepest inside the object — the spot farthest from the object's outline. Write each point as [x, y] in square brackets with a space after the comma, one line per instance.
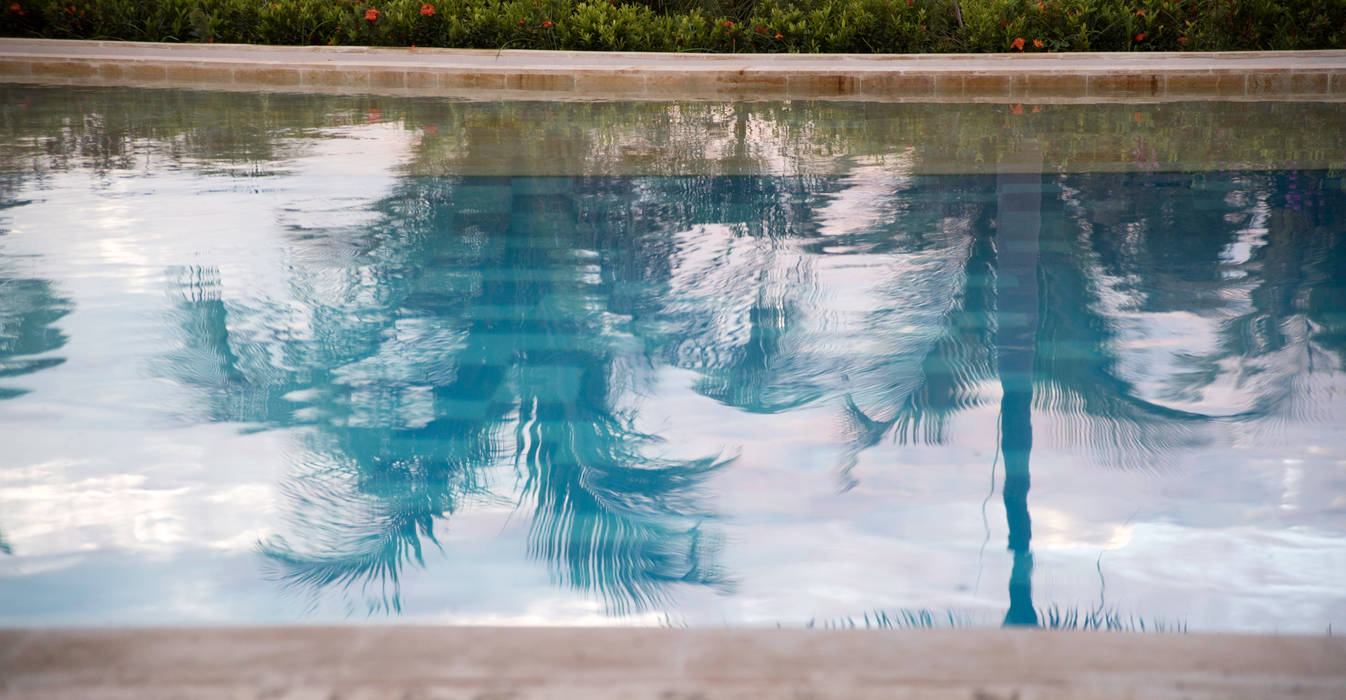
[519, 74]
[522, 663]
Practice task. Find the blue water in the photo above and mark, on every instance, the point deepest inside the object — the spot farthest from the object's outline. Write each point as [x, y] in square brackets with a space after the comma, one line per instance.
[318, 388]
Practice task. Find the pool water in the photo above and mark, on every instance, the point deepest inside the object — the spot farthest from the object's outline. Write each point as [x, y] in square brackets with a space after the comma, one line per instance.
[316, 361]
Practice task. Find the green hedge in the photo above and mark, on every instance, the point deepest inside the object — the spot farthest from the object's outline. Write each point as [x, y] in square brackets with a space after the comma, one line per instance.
[806, 26]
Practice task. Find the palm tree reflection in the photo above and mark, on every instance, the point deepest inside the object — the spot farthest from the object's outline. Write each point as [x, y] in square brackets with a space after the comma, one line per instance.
[518, 322]
[1019, 226]
[1081, 294]
[475, 306]
[29, 308]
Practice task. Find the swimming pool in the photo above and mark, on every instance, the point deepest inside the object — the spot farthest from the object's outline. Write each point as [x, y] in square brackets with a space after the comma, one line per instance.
[275, 358]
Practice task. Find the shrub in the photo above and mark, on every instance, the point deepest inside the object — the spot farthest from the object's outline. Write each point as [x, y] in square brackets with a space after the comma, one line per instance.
[842, 26]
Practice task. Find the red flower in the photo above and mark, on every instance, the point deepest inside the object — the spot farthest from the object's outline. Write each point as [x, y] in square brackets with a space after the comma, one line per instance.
[1140, 13]
[16, 7]
[1017, 109]
[372, 15]
[728, 23]
[779, 35]
[1018, 43]
[1182, 40]
[546, 24]
[1140, 36]
[428, 10]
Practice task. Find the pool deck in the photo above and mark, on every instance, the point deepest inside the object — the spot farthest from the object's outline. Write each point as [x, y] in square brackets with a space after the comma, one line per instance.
[598, 664]
[564, 75]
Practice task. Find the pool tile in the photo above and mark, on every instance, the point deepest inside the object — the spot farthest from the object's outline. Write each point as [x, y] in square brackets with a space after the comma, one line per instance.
[540, 82]
[272, 76]
[610, 82]
[1265, 82]
[898, 85]
[64, 69]
[395, 79]
[824, 85]
[1205, 84]
[199, 73]
[148, 72]
[1043, 85]
[320, 77]
[987, 85]
[678, 85]
[472, 81]
[421, 79]
[1126, 85]
[752, 84]
[1310, 82]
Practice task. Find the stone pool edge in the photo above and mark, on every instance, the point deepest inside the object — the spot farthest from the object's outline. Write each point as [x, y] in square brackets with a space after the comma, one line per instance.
[566, 75]
[520, 663]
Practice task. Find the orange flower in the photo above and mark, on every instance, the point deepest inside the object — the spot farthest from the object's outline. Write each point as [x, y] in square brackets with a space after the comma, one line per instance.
[428, 10]
[1182, 40]
[1140, 36]
[1017, 109]
[779, 35]
[1018, 43]
[1037, 44]
[372, 15]
[546, 24]
[1140, 13]
[728, 23]
[15, 7]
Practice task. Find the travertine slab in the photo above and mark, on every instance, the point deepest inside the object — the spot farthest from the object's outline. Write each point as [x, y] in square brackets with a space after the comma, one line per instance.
[566, 75]
[430, 662]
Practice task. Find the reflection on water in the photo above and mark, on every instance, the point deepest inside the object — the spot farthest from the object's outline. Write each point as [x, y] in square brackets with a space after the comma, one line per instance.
[481, 320]
[28, 310]
[476, 321]
[719, 397]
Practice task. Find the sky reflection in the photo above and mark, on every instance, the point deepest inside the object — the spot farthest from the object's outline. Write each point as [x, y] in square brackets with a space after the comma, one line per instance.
[285, 374]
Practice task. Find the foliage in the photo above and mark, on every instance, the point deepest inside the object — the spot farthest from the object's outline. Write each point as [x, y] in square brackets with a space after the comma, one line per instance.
[795, 26]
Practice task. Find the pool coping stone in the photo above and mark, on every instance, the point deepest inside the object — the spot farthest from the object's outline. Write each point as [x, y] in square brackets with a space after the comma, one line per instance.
[573, 75]
[602, 663]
